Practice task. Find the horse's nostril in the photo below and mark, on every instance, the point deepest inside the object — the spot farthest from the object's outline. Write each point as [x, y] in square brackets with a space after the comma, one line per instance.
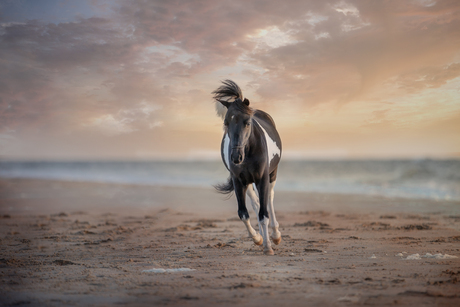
[237, 157]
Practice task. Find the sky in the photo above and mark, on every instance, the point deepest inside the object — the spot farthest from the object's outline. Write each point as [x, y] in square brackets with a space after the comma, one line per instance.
[132, 79]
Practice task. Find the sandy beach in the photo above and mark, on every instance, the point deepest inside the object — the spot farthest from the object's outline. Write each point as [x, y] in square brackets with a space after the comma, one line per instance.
[84, 244]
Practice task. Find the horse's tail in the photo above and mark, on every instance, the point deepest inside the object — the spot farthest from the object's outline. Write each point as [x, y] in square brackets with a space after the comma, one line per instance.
[229, 91]
[225, 188]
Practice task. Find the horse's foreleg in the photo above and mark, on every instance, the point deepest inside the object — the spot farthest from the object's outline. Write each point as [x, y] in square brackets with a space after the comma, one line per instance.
[276, 235]
[256, 237]
[240, 192]
[262, 187]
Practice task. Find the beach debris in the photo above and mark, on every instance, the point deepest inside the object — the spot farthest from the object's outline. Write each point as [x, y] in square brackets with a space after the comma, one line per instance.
[245, 285]
[399, 255]
[313, 250]
[387, 216]
[428, 255]
[311, 224]
[160, 270]
[63, 262]
[416, 227]
[85, 232]
[61, 214]
[188, 297]
[373, 256]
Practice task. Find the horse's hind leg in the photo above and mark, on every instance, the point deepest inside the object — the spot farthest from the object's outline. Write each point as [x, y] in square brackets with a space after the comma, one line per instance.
[257, 238]
[276, 235]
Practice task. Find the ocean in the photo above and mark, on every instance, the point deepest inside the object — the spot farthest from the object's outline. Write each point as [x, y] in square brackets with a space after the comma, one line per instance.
[424, 178]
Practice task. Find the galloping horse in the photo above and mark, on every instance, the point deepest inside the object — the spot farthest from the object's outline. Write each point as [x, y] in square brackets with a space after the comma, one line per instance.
[251, 151]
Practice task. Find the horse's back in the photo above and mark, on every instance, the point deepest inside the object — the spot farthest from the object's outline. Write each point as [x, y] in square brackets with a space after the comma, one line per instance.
[261, 115]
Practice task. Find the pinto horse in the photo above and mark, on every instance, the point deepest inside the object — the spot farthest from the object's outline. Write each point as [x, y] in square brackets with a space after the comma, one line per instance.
[251, 151]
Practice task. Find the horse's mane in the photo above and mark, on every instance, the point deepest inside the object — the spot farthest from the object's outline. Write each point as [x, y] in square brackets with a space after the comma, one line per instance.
[230, 92]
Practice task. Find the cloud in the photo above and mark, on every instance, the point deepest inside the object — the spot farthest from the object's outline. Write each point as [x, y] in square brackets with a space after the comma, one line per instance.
[428, 77]
[397, 38]
[103, 70]
[127, 120]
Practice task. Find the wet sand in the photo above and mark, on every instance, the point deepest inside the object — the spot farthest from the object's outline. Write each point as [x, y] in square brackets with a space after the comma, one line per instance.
[84, 244]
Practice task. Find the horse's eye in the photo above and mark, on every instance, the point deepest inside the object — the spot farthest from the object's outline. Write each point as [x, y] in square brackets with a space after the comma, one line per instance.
[247, 124]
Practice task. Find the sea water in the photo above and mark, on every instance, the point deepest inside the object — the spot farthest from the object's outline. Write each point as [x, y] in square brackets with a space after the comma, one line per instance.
[429, 179]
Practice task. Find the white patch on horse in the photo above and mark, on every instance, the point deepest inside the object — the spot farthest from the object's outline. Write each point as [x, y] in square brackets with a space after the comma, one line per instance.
[264, 231]
[251, 192]
[272, 148]
[254, 198]
[225, 151]
[276, 235]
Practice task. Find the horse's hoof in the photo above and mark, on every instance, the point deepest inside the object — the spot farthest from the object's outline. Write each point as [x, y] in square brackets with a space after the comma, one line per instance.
[269, 252]
[276, 241]
[258, 240]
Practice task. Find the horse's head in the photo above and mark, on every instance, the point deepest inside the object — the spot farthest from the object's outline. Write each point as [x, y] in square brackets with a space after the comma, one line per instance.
[238, 126]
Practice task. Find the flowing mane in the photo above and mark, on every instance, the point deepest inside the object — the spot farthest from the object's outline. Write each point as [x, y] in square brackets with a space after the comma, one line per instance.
[228, 92]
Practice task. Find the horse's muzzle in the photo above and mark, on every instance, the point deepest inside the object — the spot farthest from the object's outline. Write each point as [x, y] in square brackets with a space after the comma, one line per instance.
[237, 155]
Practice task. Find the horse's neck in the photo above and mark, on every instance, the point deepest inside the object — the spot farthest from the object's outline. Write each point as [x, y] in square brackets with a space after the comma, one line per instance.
[257, 137]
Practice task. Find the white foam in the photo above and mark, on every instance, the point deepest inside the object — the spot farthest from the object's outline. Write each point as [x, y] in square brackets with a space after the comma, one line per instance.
[413, 257]
[160, 270]
[439, 256]
[428, 255]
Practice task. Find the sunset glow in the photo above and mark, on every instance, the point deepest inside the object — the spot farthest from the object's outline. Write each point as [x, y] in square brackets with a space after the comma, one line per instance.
[133, 79]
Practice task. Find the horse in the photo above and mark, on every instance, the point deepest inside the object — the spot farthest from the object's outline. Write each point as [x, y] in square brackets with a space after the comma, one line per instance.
[251, 151]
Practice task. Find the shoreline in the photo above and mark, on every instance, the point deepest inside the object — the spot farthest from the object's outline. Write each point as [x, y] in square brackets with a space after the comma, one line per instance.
[410, 179]
[138, 196]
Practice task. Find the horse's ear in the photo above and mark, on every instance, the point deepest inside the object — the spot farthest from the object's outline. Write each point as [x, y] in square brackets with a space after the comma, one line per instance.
[225, 103]
[246, 101]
